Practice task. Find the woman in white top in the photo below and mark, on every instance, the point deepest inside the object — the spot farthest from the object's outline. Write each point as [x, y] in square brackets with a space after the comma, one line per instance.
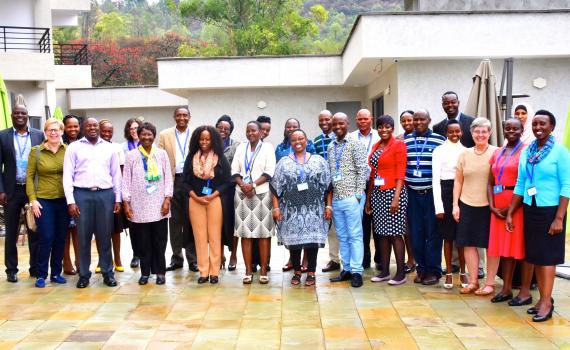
[444, 166]
[252, 168]
[522, 111]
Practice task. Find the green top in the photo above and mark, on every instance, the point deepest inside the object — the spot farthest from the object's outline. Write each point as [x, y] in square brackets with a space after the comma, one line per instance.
[50, 173]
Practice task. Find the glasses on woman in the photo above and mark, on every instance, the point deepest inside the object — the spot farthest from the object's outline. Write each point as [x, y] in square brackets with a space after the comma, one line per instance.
[52, 131]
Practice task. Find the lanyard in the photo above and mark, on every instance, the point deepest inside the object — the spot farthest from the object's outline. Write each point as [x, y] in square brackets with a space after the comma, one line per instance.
[338, 156]
[418, 156]
[530, 173]
[248, 163]
[182, 149]
[380, 155]
[506, 161]
[302, 175]
[209, 183]
[369, 141]
[20, 150]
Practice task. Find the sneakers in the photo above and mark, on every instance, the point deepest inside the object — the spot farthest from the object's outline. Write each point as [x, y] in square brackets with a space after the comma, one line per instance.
[58, 279]
[40, 283]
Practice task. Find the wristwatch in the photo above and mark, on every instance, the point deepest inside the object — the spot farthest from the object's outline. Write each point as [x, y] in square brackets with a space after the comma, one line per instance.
[254, 185]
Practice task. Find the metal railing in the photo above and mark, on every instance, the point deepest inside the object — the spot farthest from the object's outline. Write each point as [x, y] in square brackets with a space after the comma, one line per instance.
[25, 39]
[71, 54]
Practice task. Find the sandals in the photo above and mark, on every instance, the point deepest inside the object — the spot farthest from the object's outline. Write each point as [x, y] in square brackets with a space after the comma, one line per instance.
[287, 267]
[296, 279]
[449, 285]
[470, 288]
[304, 269]
[484, 291]
[247, 279]
[463, 279]
[263, 279]
[310, 281]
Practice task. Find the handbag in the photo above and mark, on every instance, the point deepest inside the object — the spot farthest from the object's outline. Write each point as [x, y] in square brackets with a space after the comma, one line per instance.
[29, 217]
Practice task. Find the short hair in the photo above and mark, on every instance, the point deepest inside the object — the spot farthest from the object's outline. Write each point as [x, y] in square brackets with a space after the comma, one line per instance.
[51, 121]
[513, 119]
[295, 119]
[104, 121]
[228, 119]
[449, 93]
[217, 143]
[182, 107]
[301, 130]
[146, 126]
[264, 119]
[257, 123]
[127, 131]
[408, 111]
[452, 122]
[71, 116]
[480, 121]
[549, 114]
[423, 110]
[385, 119]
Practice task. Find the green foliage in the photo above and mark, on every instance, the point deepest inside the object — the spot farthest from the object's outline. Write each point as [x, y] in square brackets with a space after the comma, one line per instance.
[111, 26]
[62, 35]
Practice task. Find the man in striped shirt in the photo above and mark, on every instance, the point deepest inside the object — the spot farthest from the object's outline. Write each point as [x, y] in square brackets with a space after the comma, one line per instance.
[421, 212]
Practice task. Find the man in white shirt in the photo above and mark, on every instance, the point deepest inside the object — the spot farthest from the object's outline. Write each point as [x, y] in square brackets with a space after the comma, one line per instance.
[368, 136]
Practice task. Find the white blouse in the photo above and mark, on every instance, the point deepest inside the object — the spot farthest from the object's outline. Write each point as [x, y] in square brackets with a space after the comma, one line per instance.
[444, 166]
[263, 163]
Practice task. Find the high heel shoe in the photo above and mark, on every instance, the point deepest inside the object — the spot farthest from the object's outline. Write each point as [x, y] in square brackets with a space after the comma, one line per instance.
[448, 285]
[231, 267]
[534, 310]
[463, 276]
[548, 316]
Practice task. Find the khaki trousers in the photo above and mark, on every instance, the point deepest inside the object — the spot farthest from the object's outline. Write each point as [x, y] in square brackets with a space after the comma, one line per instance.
[333, 244]
[207, 226]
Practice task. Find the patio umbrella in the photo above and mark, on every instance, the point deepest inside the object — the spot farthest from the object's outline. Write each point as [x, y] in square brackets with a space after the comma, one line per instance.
[5, 119]
[483, 100]
[58, 114]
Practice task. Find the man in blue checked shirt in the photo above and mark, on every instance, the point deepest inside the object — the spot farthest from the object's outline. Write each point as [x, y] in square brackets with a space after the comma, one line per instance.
[421, 212]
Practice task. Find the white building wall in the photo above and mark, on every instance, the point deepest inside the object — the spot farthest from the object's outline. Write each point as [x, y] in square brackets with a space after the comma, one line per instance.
[282, 103]
[386, 85]
[17, 13]
[34, 96]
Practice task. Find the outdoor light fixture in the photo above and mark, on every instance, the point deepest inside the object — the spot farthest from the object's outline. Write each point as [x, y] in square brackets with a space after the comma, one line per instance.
[539, 83]
[261, 104]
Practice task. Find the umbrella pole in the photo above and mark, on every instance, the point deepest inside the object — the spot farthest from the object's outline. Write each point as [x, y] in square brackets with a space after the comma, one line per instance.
[509, 63]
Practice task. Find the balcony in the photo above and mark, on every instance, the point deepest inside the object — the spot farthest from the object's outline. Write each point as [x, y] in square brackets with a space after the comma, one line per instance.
[30, 39]
[70, 54]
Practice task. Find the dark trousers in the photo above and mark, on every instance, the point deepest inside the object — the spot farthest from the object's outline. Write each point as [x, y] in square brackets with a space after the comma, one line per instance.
[52, 228]
[12, 211]
[96, 217]
[366, 235]
[311, 258]
[151, 240]
[426, 242]
[176, 227]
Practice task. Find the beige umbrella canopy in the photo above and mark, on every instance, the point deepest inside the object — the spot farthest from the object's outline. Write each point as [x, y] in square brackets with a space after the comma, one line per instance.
[483, 100]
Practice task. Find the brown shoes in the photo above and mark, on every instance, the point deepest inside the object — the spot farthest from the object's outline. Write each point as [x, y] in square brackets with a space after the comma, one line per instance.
[331, 266]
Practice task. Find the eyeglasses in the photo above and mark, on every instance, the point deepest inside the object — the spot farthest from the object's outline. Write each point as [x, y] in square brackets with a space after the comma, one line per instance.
[52, 131]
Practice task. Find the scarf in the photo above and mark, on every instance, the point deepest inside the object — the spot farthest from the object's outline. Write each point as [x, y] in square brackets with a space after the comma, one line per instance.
[204, 164]
[149, 164]
[534, 155]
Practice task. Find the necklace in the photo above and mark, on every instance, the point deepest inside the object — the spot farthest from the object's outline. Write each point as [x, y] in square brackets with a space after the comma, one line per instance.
[485, 150]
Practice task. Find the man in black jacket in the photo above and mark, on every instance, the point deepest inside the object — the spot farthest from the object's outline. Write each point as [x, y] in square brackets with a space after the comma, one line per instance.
[450, 104]
[15, 146]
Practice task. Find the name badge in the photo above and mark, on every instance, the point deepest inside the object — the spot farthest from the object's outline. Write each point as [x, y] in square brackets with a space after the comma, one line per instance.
[181, 165]
[417, 173]
[247, 179]
[531, 191]
[497, 189]
[151, 188]
[302, 187]
[22, 164]
[379, 181]
[337, 177]
[207, 190]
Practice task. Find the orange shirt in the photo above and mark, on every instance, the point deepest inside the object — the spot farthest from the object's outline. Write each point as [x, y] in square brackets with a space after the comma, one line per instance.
[391, 163]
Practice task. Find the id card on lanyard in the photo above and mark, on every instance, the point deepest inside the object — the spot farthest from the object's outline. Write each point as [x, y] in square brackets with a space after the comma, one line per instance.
[498, 188]
[337, 176]
[207, 190]
[369, 141]
[150, 187]
[21, 163]
[417, 171]
[531, 191]
[303, 185]
[184, 149]
[248, 162]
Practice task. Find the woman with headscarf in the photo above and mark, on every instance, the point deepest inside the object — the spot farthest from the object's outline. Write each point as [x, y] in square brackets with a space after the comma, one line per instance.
[522, 111]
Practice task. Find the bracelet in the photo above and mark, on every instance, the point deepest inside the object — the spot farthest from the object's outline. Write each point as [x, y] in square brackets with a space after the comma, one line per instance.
[328, 207]
[274, 209]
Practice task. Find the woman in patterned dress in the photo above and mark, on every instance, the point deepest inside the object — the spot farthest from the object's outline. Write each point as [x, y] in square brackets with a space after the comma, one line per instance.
[252, 168]
[299, 188]
[387, 198]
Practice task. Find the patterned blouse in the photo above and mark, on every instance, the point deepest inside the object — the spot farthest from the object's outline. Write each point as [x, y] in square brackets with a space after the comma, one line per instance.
[353, 167]
[146, 206]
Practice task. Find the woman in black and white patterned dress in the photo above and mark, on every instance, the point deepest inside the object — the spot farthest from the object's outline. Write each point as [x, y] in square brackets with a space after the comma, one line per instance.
[387, 198]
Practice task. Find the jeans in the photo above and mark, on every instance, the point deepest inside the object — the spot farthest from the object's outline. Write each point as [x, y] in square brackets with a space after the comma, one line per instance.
[347, 216]
[426, 241]
[52, 229]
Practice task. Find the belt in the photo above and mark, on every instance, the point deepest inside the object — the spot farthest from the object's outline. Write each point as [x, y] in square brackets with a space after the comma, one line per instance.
[178, 175]
[426, 191]
[509, 188]
[92, 189]
[20, 184]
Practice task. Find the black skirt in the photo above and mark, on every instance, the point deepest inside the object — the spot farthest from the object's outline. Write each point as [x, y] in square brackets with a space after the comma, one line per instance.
[473, 227]
[540, 247]
[447, 227]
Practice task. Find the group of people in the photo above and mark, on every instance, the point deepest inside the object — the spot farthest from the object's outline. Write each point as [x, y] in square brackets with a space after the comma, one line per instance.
[418, 193]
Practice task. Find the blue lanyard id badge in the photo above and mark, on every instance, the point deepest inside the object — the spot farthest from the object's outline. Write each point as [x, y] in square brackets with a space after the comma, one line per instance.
[337, 176]
[303, 186]
[207, 190]
[417, 171]
[247, 163]
[499, 188]
[531, 191]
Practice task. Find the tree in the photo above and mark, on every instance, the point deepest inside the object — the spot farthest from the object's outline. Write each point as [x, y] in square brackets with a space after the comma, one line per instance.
[111, 26]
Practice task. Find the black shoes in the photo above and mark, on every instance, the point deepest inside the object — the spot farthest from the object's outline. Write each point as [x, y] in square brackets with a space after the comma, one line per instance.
[331, 266]
[408, 269]
[109, 281]
[193, 267]
[534, 310]
[499, 298]
[480, 273]
[356, 280]
[11, 277]
[343, 276]
[430, 280]
[135, 262]
[143, 280]
[516, 301]
[83, 282]
[173, 267]
[419, 277]
[160, 280]
[202, 280]
[214, 279]
[548, 316]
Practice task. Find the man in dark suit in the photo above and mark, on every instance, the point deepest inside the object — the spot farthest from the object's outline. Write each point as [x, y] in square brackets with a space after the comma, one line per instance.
[15, 146]
[450, 104]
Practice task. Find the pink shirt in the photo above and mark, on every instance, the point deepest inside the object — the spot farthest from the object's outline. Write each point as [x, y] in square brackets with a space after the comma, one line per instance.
[89, 165]
[146, 206]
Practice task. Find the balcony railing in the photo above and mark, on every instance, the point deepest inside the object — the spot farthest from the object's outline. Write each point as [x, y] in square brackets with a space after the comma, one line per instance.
[25, 39]
[71, 54]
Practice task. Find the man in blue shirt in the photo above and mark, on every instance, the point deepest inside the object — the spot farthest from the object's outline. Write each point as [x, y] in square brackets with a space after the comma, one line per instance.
[421, 212]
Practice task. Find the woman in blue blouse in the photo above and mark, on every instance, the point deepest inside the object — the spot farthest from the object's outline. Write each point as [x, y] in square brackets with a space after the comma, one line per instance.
[543, 187]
